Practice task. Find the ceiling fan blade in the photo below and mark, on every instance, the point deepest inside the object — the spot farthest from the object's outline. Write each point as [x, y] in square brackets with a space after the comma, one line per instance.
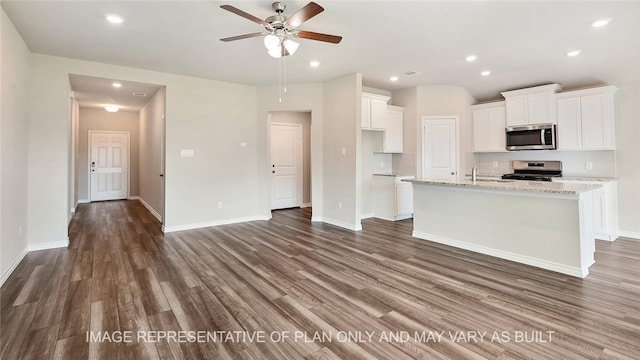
[318, 36]
[240, 37]
[307, 12]
[245, 15]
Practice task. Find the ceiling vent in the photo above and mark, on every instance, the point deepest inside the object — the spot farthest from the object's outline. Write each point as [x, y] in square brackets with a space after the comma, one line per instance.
[141, 94]
[410, 73]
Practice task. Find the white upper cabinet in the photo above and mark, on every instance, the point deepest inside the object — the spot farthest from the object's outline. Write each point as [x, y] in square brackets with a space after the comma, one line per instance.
[535, 105]
[374, 111]
[488, 127]
[391, 140]
[586, 119]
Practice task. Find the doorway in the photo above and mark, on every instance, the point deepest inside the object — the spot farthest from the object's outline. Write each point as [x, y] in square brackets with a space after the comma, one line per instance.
[440, 146]
[109, 165]
[290, 159]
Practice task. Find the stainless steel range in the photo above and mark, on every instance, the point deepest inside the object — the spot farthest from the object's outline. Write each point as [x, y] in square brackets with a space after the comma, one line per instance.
[535, 170]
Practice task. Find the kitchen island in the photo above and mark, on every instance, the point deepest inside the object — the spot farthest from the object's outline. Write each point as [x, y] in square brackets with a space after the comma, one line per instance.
[543, 224]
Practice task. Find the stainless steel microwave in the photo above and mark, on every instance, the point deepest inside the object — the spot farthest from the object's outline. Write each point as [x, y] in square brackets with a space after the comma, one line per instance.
[531, 137]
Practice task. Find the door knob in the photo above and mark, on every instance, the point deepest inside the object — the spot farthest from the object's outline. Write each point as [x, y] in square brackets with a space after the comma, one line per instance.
[453, 173]
[273, 171]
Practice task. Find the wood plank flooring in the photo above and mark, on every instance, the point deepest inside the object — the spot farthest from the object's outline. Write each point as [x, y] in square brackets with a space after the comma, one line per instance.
[346, 295]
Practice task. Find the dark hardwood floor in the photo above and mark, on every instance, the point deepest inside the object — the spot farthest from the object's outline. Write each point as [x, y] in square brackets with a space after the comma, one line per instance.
[249, 286]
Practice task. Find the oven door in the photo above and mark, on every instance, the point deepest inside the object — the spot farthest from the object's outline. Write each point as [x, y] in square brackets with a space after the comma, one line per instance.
[533, 137]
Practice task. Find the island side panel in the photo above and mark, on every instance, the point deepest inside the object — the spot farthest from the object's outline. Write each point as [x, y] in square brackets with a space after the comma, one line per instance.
[543, 230]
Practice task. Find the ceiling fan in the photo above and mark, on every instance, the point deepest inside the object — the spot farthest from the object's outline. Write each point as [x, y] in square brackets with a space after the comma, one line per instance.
[279, 27]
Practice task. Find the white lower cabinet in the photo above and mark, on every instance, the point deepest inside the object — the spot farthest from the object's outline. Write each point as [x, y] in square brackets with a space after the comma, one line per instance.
[605, 208]
[393, 198]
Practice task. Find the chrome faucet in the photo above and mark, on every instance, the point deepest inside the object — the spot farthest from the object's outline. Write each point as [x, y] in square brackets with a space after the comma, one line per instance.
[474, 173]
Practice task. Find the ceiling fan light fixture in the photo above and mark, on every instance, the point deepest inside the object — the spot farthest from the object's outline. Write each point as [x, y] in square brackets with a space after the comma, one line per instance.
[271, 42]
[290, 45]
[276, 52]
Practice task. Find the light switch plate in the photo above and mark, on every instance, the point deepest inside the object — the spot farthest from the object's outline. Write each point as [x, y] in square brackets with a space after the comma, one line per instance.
[186, 153]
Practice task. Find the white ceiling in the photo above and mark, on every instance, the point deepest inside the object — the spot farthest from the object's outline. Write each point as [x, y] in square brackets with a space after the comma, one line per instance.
[522, 43]
[92, 92]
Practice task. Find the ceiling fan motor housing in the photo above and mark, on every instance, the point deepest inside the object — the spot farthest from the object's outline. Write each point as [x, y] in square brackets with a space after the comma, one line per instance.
[278, 7]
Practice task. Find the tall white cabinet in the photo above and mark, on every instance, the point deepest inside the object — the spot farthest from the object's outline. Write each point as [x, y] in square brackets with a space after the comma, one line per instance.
[586, 119]
[489, 121]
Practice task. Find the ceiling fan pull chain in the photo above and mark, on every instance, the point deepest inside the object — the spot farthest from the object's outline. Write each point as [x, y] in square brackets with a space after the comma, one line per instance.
[284, 65]
[280, 79]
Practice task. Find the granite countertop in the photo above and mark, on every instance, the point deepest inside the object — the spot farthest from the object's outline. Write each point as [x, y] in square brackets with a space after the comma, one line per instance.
[586, 178]
[395, 174]
[571, 178]
[511, 185]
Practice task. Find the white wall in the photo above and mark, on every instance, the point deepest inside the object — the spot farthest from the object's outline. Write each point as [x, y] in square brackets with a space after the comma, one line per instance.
[628, 156]
[14, 72]
[302, 97]
[99, 119]
[342, 177]
[150, 156]
[300, 118]
[405, 163]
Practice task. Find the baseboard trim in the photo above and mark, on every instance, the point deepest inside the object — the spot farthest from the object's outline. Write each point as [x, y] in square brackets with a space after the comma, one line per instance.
[145, 204]
[305, 205]
[507, 255]
[629, 234]
[366, 216]
[48, 245]
[83, 201]
[342, 224]
[13, 266]
[316, 218]
[168, 229]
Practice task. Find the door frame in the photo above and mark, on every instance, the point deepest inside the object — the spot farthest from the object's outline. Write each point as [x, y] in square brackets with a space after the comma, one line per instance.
[423, 123]
[300, 171]
[89, 160]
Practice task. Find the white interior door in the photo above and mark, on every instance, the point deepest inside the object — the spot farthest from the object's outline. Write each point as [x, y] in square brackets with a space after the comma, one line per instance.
[439, 147]
[109, 165]
[286, 166]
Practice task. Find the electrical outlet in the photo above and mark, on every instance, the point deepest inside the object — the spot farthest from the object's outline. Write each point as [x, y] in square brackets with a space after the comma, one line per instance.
[495, 164]
[589, 165]
[381, 164]
[219, 204]
[339, 204]
[343, 151]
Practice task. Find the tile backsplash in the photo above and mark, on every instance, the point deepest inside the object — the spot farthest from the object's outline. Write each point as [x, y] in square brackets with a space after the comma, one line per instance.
[574, 163]
[382, 163]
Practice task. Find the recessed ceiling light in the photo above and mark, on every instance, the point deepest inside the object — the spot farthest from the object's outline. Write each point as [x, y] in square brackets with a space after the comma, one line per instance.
[471, 58]
[314, 63]
[112, 108]
[116, 85]
[486, 73]
[574, 53]
[601, 22]
[115, 19]
[393, 78]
